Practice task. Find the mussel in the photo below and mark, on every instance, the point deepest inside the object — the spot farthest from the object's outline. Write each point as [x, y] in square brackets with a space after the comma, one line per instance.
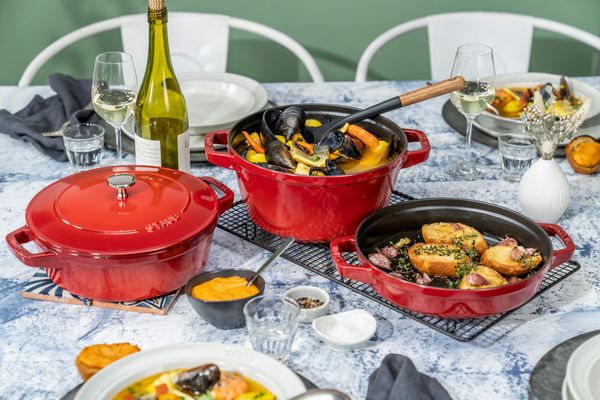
[276, 152]
[197, 381]
[343, 145]
[290, 121]
[330, 169]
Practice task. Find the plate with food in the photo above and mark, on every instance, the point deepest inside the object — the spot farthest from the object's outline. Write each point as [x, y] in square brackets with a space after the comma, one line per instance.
[192, 372]
[453, 258]
[515, 91]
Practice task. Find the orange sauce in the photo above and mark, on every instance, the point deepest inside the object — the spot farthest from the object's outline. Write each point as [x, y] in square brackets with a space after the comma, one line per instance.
[370, 159]
[224, 289]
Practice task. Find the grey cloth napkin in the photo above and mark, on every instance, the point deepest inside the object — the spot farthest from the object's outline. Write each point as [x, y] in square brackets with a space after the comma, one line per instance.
[397, 378]
[47, 115]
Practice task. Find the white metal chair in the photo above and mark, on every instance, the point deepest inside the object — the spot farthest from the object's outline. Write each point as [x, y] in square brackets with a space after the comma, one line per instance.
[198, 42]
[510, 35]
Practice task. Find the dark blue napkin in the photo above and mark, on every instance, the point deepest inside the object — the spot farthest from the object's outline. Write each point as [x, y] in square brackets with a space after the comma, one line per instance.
[397, 378]
[47, 115]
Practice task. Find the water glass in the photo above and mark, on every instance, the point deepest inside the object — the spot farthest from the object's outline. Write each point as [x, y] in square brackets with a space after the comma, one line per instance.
[83, 145]
[517, 152]
[272, 323]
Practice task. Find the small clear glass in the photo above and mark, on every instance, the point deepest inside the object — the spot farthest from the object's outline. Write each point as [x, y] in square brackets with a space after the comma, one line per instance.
[517, 152]
[83, 145]
[272, 322]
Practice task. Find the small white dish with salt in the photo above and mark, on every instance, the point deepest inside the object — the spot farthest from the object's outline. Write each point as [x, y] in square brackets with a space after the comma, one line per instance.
[348, 330]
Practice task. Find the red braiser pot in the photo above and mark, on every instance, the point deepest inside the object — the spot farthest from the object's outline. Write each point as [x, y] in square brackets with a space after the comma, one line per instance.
[122, 233]
[494, 222]
[314, 208]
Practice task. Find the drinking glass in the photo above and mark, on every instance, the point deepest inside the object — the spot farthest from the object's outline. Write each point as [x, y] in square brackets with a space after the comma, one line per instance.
[272, 323]
[475, 63]
[114, 91]
[83, 145]
[517, 152]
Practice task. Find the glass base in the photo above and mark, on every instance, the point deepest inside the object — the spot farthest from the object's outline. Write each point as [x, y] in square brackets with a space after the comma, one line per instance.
[464, 170]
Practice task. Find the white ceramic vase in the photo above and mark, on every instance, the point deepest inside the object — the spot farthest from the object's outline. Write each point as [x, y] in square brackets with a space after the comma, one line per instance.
[544, 191]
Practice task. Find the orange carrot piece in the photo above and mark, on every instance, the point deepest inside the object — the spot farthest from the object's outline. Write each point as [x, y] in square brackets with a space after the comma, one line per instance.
[255, 146]
[363, 135]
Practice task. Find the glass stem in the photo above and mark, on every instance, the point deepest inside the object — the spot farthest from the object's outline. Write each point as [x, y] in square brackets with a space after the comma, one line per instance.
[118, 145]
[468, 160]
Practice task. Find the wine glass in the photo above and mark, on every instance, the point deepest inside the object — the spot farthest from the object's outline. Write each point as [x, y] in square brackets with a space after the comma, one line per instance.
[114, 89]
[475, 63]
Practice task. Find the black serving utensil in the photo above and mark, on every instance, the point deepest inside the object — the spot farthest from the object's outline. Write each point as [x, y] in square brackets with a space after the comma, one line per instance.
[415, 96]
[276, 254]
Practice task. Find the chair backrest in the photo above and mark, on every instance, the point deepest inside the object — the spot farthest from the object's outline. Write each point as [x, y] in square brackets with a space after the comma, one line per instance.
[510, 35]
[198, 42]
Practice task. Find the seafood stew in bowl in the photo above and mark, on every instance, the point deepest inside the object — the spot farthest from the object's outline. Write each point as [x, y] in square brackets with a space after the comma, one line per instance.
[314, 208]
[205, 382]
[285, 141]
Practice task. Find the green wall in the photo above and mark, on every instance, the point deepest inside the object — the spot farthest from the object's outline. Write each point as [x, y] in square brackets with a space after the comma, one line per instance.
[334, 31]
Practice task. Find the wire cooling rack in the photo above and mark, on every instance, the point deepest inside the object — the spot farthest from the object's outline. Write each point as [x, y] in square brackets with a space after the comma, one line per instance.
[317, 258]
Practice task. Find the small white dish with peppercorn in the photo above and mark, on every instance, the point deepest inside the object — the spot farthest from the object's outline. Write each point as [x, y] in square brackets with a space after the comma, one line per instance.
[313, 302]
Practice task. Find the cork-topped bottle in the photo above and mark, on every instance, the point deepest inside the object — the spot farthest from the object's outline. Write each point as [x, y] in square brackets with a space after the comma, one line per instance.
[162, 136]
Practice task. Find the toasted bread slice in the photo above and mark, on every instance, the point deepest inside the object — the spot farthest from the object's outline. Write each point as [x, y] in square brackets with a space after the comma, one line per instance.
[499, 258]
[436, 259]
[492, 277]
[93, 358]
[454, 233]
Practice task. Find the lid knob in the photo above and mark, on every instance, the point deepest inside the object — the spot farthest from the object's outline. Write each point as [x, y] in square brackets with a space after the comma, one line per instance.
[121, 182]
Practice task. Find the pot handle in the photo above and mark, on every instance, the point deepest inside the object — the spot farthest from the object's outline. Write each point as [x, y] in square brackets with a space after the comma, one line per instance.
[220, 158]
[226, 201]
[16, 239]
[414, 157]
[361, 272]
[563, 255]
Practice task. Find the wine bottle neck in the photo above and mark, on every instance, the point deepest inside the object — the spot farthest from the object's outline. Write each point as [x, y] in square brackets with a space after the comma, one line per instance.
[158, 54]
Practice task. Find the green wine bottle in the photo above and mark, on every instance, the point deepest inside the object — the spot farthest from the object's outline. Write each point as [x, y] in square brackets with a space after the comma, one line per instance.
[162, 136]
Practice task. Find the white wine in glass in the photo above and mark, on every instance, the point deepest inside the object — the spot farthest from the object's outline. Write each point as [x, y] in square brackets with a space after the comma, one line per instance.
[114, 91]
[475, 63]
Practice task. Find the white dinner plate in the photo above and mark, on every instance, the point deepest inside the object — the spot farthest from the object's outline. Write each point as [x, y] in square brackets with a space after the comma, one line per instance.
[566, 392]
[583, 371]
[276, 377]
[494, 125]
[215, 100]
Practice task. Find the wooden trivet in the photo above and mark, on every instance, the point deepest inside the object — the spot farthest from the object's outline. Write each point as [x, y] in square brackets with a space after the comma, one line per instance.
[41, 287]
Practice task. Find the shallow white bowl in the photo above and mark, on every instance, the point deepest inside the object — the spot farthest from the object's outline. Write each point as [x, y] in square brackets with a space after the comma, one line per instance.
[309, 314]
[276, 377]
[347, 330]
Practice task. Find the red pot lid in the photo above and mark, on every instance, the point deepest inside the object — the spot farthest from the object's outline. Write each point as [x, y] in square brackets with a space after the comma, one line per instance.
[82, 213]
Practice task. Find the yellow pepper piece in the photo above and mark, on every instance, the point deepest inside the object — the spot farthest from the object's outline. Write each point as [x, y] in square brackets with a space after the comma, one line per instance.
[256, 137]
[312, 123]
[301, 169]
[255, 157]
[280, 138]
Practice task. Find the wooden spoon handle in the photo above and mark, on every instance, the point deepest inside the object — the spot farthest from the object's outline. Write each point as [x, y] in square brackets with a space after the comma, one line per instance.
[433, 90]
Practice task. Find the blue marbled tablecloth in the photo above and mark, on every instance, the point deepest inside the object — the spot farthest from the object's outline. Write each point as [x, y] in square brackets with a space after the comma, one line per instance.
[39, 340]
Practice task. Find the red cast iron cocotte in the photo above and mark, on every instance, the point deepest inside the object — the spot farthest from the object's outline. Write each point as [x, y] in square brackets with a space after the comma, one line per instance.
[122, 233]
[492, 221]
[315, 208]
